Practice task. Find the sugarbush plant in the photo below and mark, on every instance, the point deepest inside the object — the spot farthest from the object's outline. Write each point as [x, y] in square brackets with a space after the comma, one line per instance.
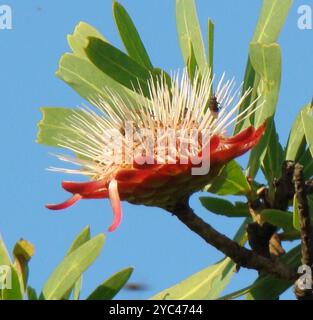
[126, 85]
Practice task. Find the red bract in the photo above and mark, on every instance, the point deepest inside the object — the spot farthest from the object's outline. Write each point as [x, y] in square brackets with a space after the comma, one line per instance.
[160, 185]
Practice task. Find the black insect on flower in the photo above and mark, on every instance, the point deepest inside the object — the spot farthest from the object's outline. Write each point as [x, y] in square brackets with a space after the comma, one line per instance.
[214, 104]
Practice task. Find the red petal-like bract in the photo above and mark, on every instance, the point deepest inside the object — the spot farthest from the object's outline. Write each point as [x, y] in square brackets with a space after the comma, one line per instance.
[160, 184]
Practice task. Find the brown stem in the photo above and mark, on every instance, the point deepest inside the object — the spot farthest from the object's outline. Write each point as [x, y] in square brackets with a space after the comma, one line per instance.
[305, 227]
[284, 187]
[240, 255]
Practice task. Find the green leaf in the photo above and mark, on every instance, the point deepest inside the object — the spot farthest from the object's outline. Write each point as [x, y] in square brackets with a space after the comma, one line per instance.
[251, 80]
[13, 291]
[31, 293]
[81, 239]
[236, 294]
[279, 218]
[307, 121]
[270, 288]
[90, 82]
[271, 20]
[23, 252]
[192, 66]
[296, 218]
[307, 161]
[77, 288]
[71, 268]
[55, 125]
[188, 29]
[130, 36]
[224, 207]
[272, 162]
[296, 140]
[211, 45]
[4, 255]
[118, 66]
[78, 41]
[230, 181]
[207, 284]
[266, 60]
[109, 288]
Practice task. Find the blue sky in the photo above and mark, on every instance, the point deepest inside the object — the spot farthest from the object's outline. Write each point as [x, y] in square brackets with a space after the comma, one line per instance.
[161, 250]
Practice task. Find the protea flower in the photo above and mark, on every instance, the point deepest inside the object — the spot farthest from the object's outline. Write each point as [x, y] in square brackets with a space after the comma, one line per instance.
[150, 169]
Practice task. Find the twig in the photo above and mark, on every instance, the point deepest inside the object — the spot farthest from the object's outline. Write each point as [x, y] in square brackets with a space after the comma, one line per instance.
[306, 233]
[240, 255]
[284, 187]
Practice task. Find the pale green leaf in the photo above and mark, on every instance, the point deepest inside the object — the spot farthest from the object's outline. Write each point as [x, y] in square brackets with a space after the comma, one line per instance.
[270, 23]
[307, 121]
[78, 41]
[90, 82]
[188, 29]
[207, 284]
[80, 239]
[71, 268]
[271, 20]
[55, 126]
[296, 140]
[266, 60]
[272, 162]
[4, 254]
[13, 291]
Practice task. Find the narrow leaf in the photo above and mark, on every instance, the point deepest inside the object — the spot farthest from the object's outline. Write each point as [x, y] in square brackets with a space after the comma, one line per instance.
[296, 218]
[109, 288]
[279, 218]
[307, 121]
[230, 181]
[224, 207]
[71, 268]
[270, 23]
[211, 45]
[192, 66]
[272, 18]
[188, 29]
[4, 255]
[270, 288]
[296, 141]
[266, 60]
[89, 82]
[118, 66]
[207, 284]
[31, 293]
[12, 291]
[78, 41]
[130, 36]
